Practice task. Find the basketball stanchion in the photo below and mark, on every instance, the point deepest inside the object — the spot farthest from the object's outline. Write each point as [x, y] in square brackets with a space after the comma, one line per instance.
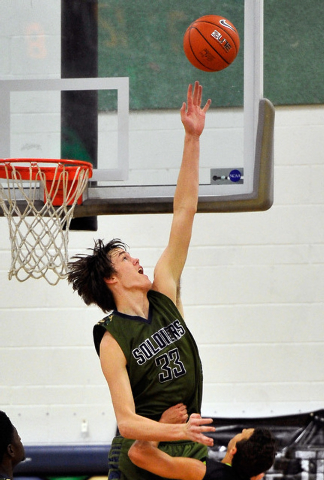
[38, 197]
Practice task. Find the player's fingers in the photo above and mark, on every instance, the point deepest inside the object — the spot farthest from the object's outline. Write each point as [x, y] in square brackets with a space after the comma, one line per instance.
[201, 438]
[197, 94]
[206, 107]
[196, 419]
[205, 440]
[200, 89]
[183, 411]
[207, 429]
[195, 415]
[183, 111]
[203, 428]
[205, 421]
[189, 95]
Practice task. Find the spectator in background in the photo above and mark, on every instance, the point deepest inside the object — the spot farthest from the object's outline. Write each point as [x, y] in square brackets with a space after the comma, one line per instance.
[12, 450]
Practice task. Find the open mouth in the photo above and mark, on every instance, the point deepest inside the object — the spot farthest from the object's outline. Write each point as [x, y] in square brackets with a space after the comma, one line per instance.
[140, 270]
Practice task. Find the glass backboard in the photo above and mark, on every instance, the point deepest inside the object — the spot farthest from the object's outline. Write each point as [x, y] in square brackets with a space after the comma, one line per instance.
[139, 83]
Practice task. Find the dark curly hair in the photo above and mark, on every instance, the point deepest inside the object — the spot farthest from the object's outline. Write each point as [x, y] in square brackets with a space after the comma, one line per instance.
[7, 432]
[254, 455]
[87, 274]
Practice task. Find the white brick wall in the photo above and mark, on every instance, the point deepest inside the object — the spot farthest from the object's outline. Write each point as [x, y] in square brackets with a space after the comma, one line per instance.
[252, 292]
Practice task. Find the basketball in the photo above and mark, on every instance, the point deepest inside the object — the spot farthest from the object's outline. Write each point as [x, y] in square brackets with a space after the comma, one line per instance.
[211, 43]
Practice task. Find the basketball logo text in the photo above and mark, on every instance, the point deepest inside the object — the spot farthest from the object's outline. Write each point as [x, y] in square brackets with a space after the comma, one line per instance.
[207, 55]
[221, 40]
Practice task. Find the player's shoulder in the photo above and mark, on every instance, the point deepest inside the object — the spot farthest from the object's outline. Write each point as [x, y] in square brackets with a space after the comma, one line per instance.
[106, 320]
[156, 296]
[164, 303]
[155, 293]
[100, 328]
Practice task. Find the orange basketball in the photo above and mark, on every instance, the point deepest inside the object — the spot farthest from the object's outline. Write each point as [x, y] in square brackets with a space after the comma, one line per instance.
[211, 43]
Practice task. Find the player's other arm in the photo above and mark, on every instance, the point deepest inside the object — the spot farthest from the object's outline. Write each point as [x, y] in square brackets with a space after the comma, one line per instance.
[146, 455]
[169, 268]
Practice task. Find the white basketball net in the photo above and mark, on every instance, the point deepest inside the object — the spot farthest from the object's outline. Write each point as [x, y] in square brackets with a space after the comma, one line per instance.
[39, 231]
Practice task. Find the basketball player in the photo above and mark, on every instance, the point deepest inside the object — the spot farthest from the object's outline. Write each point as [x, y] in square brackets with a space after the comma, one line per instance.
[249, 455]
[148, 356]
[12, 450]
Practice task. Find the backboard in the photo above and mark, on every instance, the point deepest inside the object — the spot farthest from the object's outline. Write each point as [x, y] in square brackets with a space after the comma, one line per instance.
[139, 135]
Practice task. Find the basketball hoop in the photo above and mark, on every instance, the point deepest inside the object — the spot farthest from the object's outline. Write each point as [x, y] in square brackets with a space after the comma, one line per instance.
[38, 197]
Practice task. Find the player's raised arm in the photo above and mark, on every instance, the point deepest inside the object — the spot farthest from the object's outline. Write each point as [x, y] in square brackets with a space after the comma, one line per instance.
[169, 268]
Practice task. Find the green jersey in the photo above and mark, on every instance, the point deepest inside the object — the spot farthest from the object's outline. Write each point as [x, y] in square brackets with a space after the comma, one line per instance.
[163, 362]
[164, 369]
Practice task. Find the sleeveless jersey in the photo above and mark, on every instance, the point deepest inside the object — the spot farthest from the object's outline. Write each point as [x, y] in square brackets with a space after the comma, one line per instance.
[163, 362]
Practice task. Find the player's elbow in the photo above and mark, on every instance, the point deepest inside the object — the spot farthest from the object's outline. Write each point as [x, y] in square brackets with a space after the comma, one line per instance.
[189, 209]
[124, 430]
[129, 424]
[137, 454]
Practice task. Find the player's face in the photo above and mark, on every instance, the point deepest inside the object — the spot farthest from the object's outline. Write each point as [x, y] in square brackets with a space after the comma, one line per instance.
[128, 270]
[17, 447]
[244, 435]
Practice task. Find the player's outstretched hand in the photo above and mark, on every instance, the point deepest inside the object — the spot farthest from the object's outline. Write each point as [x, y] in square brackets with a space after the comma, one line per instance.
[196, 427]
[192, 115]
[176, 414]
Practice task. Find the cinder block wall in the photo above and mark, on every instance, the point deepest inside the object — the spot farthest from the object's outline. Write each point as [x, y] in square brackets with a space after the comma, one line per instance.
[253, 298]
[252, 291]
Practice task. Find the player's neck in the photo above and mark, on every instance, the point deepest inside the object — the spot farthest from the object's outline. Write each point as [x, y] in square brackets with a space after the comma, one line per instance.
[227, 459]
[6, 472]
[133, 303]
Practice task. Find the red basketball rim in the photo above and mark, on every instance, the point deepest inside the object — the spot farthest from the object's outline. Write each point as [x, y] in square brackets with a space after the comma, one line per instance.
[50, 169]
